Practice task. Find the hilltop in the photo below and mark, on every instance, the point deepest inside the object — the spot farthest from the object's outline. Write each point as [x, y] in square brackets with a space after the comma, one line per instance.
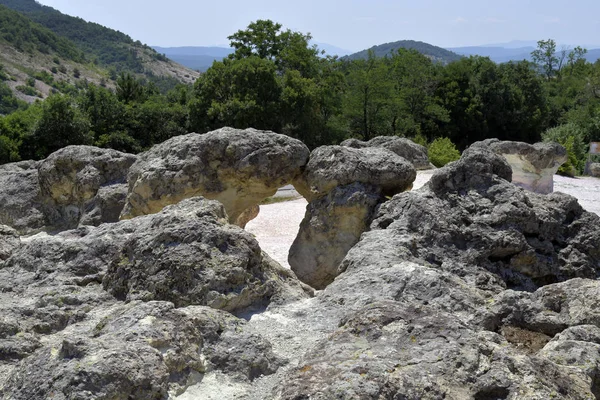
[43, 50]
[436, 54]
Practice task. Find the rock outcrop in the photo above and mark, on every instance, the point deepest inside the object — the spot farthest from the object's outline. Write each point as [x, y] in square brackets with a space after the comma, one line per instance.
[422, 305]
[20, 197]
[594, 170]
[77, 185]
[405, 148]
[239, 168]
[84, 185]
[121, 310]
[534, 165]
[343, 186]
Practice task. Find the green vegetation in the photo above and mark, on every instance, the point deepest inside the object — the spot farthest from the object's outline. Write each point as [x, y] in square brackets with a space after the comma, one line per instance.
[434, 53]
[442, 151]
[276, 81]
[89, 41]
[28, 36]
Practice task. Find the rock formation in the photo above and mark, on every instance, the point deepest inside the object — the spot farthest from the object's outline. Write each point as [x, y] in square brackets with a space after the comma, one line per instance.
[77, 185]
[405, 148]
[84, 185]
[20, 198]
[72, 310]
[534, 165]
[237, 167]
[343, 186]
[468, 288]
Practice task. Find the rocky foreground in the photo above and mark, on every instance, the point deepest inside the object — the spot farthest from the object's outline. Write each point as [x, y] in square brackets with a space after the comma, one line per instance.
[123, 278]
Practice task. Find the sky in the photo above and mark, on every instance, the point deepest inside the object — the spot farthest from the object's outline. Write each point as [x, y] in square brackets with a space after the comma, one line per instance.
[349, 24]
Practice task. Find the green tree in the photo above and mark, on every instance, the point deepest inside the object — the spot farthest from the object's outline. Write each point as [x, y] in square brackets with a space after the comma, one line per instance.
[545, 57]
[442, 151]
[129, 88]
[61, 124]
[239, 93]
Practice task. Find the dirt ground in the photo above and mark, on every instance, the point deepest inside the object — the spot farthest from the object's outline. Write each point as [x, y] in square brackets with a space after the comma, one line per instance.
[277, 224]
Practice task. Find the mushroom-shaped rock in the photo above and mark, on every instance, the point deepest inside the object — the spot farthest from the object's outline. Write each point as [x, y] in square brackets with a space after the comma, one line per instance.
[333, 166]
[343, 186]
[534, 165]
[239, 168]
[20, 198]
[406, 148]
[84, 185]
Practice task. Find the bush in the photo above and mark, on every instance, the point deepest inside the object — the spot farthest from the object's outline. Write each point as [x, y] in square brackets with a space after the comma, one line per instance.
[572, 138]
[442, 151]
[9, 150]
[419, 138]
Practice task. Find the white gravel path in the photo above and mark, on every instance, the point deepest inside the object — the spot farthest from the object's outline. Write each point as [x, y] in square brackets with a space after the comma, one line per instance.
[277, 224]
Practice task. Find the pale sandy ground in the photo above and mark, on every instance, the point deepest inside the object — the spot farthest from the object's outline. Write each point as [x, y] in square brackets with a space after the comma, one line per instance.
[277, 225]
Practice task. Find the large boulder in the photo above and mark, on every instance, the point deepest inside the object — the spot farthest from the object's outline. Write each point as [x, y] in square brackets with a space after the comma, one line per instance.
[405, 148]
[343, 186]
[84, 185]
[140, 351]
[239, 168]
[534, 165]
[20, 197]
[424, 307]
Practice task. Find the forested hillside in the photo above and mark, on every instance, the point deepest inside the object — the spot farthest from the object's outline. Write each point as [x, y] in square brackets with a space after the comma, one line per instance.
[434, 53]
[99, 45]
[275, 80]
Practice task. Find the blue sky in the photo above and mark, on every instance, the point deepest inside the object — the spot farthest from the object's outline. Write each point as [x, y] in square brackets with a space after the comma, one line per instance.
[350, 24]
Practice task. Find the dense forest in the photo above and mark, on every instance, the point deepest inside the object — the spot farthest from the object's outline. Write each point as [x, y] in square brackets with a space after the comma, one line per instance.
[275, 80]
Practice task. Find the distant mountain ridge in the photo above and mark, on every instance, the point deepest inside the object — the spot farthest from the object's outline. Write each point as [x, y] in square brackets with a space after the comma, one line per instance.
[435, 53]
[505, 54]
[201, 58]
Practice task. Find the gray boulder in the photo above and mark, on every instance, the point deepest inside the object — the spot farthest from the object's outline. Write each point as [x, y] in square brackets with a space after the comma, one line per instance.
[20, 197]
[594, 170]
[333, 166]
[140, 351]
[534, 165]
[405, 148]
[239, 168]
[343, 186]
[84, 185]
[470, 220]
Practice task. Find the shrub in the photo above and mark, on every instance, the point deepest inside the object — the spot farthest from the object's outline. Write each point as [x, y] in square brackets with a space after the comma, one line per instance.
[9, 150]
[571, 137]
[419, 138]
[442, 151]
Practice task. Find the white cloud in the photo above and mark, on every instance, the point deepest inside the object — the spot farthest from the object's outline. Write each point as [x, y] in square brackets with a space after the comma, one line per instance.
[460, 20]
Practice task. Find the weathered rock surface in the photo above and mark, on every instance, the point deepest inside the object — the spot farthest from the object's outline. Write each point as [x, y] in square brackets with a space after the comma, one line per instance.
[534, 165]
[343, 186]
[239, 168]
[9, 241]
[84, 185]
[20, 198]
[416, 321]
[332, 225]
[405, 148]
[594, 170]
[73, 324]
[333, 166]
[140, 351]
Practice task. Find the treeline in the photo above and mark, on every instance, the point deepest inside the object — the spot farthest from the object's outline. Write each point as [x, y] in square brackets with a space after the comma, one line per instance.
[275, 80]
